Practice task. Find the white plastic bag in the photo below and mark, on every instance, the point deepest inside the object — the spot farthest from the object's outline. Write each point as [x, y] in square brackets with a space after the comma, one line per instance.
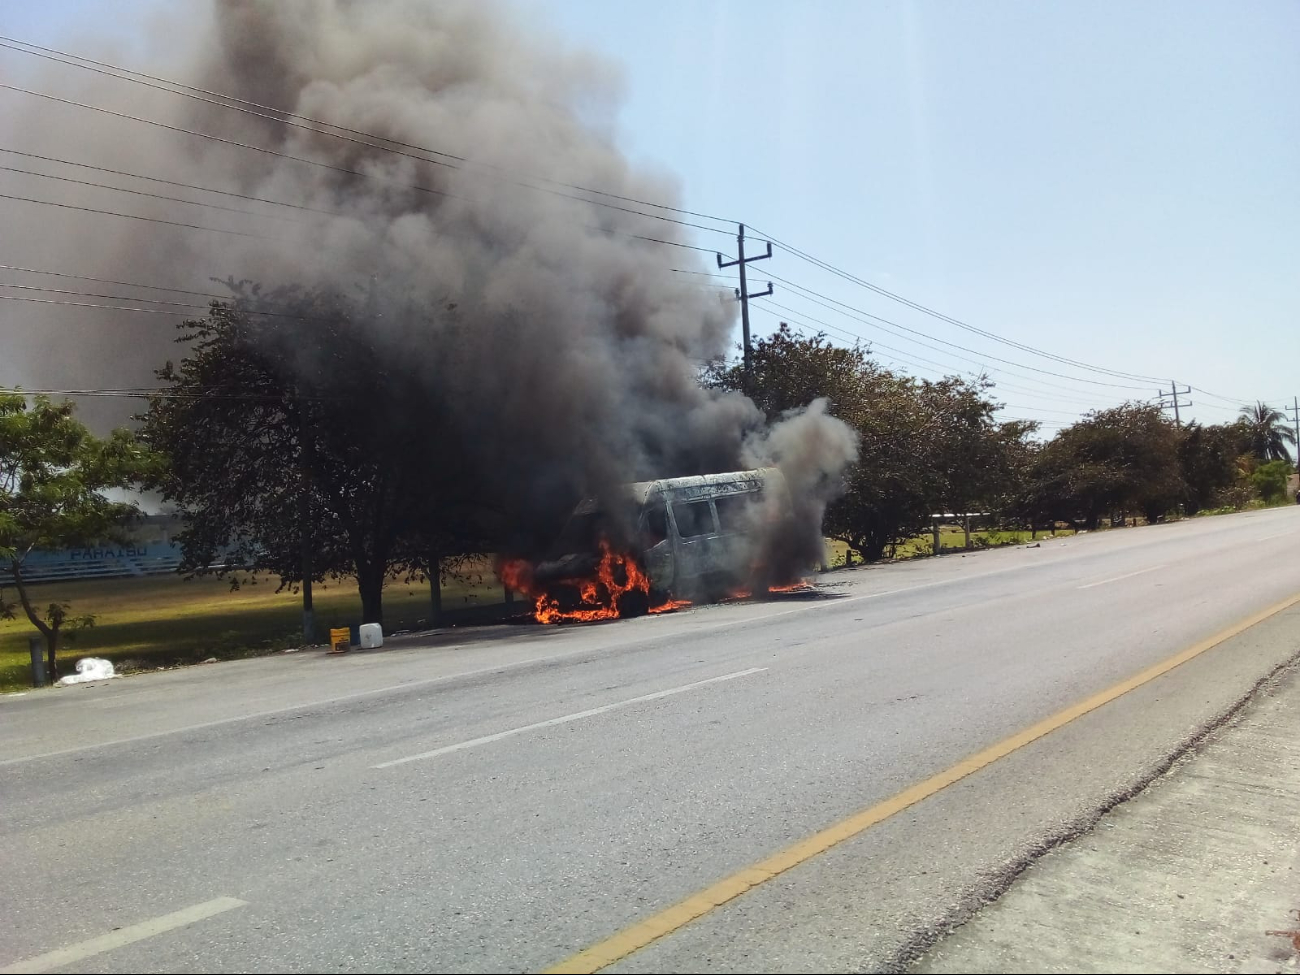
[90, 668]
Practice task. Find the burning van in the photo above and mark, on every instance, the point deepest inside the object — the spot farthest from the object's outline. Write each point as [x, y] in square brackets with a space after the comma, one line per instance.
[657, 544]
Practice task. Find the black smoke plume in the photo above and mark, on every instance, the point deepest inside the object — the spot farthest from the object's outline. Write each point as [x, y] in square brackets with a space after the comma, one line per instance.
[570, 343]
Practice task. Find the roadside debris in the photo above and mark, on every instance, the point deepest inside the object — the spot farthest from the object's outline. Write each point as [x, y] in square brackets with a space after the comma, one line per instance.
[88, 669]
[1292, 935]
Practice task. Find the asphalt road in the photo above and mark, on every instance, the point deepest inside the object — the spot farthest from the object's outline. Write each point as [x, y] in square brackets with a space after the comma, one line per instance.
[499, 799]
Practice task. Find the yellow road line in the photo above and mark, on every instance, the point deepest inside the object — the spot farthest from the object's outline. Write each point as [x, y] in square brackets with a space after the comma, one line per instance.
[636, 937]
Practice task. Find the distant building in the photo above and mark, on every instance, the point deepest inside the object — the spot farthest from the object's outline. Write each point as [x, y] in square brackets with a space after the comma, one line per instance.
[152, 550]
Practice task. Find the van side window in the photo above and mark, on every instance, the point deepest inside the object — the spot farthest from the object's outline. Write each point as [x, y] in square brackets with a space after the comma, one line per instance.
[654, 525]
[735, 512]
[693, 518]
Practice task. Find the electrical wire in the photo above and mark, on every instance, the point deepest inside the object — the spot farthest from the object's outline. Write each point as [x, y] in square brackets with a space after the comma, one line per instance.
[156, 196]
[372, 140]
[135, 216]
[828, 302]
[861, 282]
[167, 182]
[859, 336]
[983, 367]
[208, 189]
[123, 284]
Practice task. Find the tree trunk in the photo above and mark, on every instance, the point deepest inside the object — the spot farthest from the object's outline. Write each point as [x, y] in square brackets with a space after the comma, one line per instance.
[51, 656]
[49, 633]
[435, 590]
[370, 583]
[872, 550]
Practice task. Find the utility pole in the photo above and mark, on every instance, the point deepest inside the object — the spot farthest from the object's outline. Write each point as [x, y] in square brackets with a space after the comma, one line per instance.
[743, 294]
[1294, 410]
[1173, 394]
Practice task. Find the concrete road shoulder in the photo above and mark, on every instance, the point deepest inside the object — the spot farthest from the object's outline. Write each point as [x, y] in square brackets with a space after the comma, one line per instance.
[1200, 872]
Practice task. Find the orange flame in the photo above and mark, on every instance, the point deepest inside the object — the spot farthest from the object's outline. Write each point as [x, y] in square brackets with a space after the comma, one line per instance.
[799, 586]
[517, 574]
[670, 605]
[600, 597]
[803, 585]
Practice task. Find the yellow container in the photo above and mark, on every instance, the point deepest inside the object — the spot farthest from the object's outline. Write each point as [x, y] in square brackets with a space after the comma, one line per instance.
[340, 640]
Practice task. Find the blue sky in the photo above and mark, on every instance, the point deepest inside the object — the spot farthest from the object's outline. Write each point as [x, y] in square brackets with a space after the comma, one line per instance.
[1110, 182]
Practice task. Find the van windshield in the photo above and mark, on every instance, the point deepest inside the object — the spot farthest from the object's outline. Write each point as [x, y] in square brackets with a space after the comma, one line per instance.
[581, 533]
[589, 524]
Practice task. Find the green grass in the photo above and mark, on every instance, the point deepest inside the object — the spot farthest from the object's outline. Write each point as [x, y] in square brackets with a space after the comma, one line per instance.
[1253, 505]
[951, 538]
[162, 621]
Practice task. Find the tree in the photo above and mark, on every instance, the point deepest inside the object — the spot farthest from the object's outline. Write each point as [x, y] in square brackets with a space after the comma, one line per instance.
[1120, 459]
[886, 492]
[791, 371]
[53, 473]
[1209, 458]
[923, 446]
[290, 432]
[1267, 432]
[979, 458]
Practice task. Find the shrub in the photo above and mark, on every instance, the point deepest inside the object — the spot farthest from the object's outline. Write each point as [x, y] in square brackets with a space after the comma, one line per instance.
[1269, 480]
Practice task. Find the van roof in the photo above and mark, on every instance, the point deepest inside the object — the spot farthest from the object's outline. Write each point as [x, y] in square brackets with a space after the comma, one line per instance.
[642, 490]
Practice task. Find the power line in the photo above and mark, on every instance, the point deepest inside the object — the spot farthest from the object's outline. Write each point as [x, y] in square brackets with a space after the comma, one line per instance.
[149, 392]
[997, 386]
[124, 284]
[241, 308]
[870, 348]
[848, 276]
[372, 140]
[1030, 391]
[139, 393]
[152, 301]
[875, 343]
[88, 304]
[1219, 406]
[879, 322]
[802, 327]
[259, 199]
[857, 335]
[867, 315]
[134, 216]
[1227, 399]
[230, 142]
[169, 182]
[1043, 409]
[223, 100]
[344, 133]
[235, 302]
[156, 196]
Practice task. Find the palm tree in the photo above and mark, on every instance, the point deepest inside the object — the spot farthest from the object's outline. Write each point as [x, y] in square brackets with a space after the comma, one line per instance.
[1267, 432]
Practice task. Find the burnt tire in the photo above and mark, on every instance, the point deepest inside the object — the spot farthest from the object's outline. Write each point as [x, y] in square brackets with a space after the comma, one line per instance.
[632, 604]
